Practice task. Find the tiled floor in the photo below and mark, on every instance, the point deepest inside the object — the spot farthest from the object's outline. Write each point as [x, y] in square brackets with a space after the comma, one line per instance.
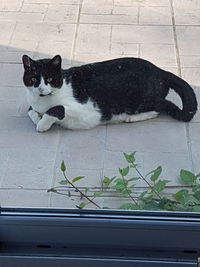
[166, 32]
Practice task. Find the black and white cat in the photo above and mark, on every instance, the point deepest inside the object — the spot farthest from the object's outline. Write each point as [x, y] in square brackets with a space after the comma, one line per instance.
[119, 90]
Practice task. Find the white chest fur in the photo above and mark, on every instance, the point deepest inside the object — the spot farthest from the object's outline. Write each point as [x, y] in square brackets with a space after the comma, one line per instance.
[77, 115]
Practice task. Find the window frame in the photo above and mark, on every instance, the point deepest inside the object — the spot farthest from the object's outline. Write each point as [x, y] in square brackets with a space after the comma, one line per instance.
[56, 237]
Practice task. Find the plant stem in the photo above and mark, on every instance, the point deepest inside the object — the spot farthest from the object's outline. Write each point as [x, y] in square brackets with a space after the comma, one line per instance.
[128, 191]
[146, 181]
[81, 193]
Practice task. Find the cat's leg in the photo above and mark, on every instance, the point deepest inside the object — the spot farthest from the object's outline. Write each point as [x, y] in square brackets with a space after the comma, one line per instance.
[34, 115]
[52, 115]
[142, 116]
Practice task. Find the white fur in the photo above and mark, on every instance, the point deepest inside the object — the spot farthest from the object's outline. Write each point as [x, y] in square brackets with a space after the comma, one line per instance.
[77, 116]
[134, 118]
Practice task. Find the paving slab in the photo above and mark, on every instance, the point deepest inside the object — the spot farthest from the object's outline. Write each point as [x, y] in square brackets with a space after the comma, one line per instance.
[166, 32]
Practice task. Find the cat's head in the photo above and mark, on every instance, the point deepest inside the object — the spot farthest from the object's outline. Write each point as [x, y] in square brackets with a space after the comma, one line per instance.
[43, 77]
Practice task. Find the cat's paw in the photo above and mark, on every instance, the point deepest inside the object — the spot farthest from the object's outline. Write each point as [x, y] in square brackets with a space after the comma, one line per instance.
[34, 116]
[42, 126]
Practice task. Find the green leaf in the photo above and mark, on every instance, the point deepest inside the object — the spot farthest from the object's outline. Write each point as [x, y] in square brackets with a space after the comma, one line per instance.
[124, 171]
[160, 185]
[187, 177]
[63, 167]
[126, 192]
[130, 158]
[108, 181]
[196, 208]
[190, 200]
[197, 195]
[196, 188]
[82, 205]
[97, 194]
[63, 182]
[156, 174]
[77, 179]
[129, 206]
[181, 194]
[151, 205]
[119, 181]
[141, 196]
[133, 179]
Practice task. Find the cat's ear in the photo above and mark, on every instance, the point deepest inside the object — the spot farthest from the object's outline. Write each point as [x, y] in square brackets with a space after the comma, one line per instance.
[56, 61]
[27, 61]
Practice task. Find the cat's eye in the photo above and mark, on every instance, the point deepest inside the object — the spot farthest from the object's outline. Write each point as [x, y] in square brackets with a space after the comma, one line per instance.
[49, 80]
[33, 79]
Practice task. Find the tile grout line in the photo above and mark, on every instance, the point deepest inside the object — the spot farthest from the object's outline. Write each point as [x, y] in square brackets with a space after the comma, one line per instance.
[180, 74]
[76, 32]
[54, 169]
[175, 39]
[45, 13]
[103, 154]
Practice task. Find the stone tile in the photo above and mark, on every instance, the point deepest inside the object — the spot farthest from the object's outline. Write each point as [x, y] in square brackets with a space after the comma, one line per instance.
[188, 38]
[93, 38]
[63, 201]
[187, 16]
[11, 75]
[125, 49]
[9, 93]
[190, 61]
[62, 13]
[24, 198]
[81, 59]
[7, 29]
[10, 5]
[26, 170]
[34, 8]
[98, 7]
[20, 45]
[159, 54]
[194, 129]
[52, 1]
[82, 149]
[155, 16]
[185, 4]
[21, 16]
[142, 34]
[141, 3]
[13, 56]
[191, 75]
[109, 19]
[171, 164]
[92, 178]
[49, 50]
[102, 13]
[20, 130]
[148, 136]
[44, 31]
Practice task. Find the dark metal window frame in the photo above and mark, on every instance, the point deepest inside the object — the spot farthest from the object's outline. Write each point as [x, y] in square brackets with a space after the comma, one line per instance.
[98, 238]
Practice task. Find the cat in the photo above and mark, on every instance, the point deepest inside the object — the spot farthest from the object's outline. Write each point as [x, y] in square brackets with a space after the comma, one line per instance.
[118, 90]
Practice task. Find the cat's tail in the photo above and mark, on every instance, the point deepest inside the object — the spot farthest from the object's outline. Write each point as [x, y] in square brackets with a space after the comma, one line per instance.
[187, 95]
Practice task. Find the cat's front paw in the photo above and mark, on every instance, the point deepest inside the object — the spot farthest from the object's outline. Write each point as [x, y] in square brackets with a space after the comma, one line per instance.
[42, 126]
[34, 116]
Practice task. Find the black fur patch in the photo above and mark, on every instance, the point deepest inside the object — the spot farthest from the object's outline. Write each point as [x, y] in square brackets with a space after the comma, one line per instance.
[57, 111]
[30, 108]
[131, 86]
